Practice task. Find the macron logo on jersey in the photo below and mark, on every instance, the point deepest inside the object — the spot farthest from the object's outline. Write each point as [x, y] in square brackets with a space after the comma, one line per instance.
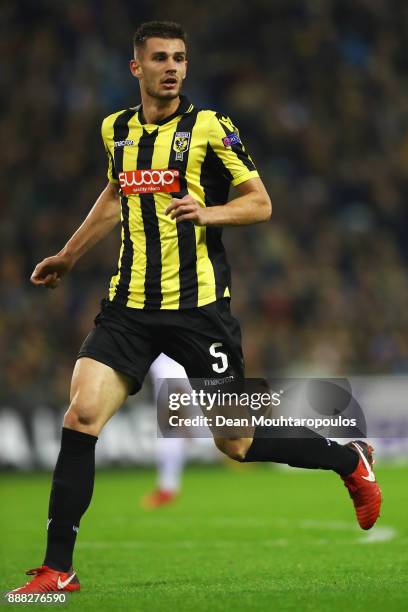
[149, 181]
[123, 143]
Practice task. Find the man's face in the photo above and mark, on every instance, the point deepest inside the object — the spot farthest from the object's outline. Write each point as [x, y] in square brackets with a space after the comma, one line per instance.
[160, 67]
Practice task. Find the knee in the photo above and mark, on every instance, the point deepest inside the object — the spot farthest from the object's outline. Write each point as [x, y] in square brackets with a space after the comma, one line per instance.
[234, 449]
[83, 418]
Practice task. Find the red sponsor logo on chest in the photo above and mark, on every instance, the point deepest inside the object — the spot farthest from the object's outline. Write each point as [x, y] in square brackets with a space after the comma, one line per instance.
[149, 181]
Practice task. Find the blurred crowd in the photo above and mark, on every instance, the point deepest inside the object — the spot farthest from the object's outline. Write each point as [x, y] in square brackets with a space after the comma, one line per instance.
[319, 91]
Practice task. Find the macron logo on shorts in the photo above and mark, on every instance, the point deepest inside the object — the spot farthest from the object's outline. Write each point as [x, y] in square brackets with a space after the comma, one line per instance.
[149, 181]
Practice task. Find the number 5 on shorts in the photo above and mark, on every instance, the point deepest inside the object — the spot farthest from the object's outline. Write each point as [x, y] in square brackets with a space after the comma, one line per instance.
[218, 367]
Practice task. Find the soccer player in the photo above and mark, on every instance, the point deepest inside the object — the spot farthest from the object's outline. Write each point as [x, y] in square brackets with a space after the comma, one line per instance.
[170, 451]
[170, 167]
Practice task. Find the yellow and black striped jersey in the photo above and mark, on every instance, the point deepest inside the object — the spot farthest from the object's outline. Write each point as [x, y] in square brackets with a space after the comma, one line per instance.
[164, 265]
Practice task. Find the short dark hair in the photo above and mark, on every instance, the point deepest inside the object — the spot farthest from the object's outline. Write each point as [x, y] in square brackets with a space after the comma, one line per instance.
[158, 29]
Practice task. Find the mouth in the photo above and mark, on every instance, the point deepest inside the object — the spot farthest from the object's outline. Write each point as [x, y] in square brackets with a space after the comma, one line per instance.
[169, 82]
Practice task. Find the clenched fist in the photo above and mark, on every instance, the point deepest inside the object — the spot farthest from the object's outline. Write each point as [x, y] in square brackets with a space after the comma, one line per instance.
[49, 271]
[187, 209]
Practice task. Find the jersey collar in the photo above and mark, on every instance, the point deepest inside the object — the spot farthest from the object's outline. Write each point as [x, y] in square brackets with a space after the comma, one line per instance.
[185, 106]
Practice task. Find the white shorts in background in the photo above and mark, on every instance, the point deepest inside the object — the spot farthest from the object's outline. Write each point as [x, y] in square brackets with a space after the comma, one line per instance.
[164, 367]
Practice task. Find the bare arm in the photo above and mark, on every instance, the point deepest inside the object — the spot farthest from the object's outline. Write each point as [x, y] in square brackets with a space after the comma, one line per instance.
[101, 220]
[253, 205]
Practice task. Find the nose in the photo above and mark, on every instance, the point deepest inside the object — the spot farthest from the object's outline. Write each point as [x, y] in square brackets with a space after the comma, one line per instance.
[171, 65]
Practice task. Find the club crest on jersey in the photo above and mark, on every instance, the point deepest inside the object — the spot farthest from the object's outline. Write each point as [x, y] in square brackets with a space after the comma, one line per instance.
[181, 144]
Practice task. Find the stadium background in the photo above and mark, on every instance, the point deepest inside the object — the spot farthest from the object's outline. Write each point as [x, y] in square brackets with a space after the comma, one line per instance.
[318, 89]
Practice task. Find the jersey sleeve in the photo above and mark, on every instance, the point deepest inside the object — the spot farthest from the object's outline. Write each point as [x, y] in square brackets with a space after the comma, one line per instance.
[226, 143]
[106, 137]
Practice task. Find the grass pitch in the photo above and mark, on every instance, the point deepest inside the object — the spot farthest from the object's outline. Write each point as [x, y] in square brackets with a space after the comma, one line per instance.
[250, 539]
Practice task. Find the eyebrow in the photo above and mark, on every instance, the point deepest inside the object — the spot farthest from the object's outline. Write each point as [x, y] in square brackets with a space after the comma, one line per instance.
[164, 53]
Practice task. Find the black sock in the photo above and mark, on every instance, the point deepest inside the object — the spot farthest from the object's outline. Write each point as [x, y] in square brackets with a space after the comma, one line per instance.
[71, 494]
[301, 447]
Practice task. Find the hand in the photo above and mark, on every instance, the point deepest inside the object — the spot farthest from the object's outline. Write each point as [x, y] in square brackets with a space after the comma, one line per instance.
[49, 271]
[187, 209]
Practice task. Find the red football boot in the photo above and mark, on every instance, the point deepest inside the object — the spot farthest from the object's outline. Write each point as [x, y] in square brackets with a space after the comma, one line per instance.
[48, 580]
[158, 498]
[362, 486]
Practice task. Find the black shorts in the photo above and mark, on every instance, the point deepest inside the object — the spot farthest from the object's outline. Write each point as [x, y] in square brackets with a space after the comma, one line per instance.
[206, 341]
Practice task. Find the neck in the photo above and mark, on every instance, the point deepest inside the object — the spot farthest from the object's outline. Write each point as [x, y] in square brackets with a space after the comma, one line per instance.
[155, 110]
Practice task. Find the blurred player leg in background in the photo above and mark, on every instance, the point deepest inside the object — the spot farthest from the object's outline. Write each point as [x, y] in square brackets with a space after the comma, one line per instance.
[170, 452]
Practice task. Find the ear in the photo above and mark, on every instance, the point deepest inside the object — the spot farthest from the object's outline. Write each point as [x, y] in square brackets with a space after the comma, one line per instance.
[135, 68]
[185, 70]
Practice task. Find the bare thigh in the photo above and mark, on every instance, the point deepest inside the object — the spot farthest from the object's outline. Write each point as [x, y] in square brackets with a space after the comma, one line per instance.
[97, 392]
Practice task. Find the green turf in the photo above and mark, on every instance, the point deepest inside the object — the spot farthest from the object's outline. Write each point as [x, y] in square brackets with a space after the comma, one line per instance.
[248, 539]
